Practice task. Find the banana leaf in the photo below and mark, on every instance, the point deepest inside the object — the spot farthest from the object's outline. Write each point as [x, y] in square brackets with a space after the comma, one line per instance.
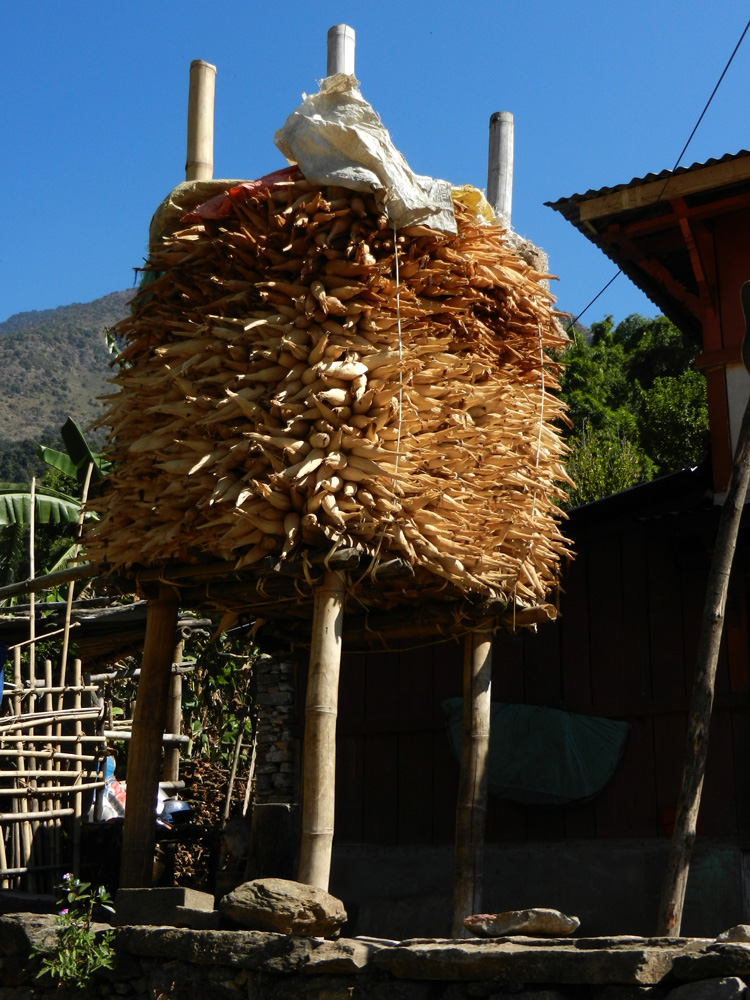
[50, 507]
[80, 454]
[58, 460]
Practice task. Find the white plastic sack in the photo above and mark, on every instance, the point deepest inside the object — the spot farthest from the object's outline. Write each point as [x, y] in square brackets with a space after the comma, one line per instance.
[336, 138]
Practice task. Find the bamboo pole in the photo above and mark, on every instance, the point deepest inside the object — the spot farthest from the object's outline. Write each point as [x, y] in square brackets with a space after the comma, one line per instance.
[709, 642]
[171, 769]
[319, 754]
[79, 765]
[32, 574]
[22, 839]
[340, 50]
[51, 830]
[55, 790]
[139, 832]
[471, 811]
[500, 164]
[199, 164]
[32, 586]
[69, 599]
[233, 771]
[4, 882]
[26, 818]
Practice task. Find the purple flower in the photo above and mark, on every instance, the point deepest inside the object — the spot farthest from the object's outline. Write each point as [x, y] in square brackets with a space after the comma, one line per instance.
[63, 912]
[67, 876]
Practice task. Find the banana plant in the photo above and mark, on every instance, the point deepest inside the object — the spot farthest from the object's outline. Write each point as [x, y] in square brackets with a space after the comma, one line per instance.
[77, 457]
[56, 512]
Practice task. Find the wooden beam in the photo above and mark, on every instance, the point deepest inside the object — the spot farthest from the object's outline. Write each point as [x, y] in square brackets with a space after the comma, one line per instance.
[144, 757]
[637, 196]
[471, 812]
[719, 358]
[663, 223]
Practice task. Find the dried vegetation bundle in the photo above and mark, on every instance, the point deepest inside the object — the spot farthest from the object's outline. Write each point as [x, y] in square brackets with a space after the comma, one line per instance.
[301, 377]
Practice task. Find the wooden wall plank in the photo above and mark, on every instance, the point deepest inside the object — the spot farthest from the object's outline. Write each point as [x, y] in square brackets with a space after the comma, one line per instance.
[350, 747]
[508, 666]
[627, 807]
[542, 675]
[381, 764]
[740, 722]
[606, 626]
[718, 813]
[416, 709]
[669, 681]
[574, 634]
[634, 686]
[447, 683]
[670, 733]
[736, 630]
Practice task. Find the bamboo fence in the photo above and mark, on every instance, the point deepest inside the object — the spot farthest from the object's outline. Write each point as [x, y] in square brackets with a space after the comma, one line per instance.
[51, 748]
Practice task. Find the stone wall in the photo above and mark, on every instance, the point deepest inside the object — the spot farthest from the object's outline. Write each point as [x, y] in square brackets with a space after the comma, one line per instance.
[277, 749]
[169, 963]
[274, 835]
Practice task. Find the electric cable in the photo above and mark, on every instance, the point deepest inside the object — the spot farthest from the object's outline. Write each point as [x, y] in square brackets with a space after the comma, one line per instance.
[573, 322]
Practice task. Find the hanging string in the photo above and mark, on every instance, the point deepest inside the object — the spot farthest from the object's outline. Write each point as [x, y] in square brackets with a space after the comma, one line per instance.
[400, 350]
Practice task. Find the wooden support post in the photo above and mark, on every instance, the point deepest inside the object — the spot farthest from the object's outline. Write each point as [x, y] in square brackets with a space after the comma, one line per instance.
[709, 642]
[144, 759]
[319, 754]
[474, 780]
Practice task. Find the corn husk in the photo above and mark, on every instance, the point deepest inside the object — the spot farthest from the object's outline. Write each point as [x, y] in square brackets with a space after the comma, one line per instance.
[288, 386]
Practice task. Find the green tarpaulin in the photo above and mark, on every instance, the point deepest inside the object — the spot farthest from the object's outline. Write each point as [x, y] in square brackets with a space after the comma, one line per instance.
[545, 756]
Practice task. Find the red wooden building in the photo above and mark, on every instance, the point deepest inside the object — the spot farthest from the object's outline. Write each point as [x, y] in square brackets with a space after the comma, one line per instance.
[623, 648]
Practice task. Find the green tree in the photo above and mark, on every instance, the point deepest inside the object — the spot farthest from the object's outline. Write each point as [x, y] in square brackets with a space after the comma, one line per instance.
[674, 420]
[601, 463]
[637, 406]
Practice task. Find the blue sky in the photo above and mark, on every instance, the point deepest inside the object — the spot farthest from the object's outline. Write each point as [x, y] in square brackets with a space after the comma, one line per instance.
[95, 97]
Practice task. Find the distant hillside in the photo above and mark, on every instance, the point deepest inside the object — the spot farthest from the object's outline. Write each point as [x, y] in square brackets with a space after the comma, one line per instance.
[88, 316]
[54, 364]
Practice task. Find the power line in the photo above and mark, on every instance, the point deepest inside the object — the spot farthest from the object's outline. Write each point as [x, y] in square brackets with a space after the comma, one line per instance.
[573, 322]
[677, 162]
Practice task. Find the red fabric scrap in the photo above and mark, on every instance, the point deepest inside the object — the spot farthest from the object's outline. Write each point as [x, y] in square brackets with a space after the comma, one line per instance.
[220, 206]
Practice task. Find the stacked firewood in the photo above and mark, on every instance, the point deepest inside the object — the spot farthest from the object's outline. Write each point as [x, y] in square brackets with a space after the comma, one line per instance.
[298, 376]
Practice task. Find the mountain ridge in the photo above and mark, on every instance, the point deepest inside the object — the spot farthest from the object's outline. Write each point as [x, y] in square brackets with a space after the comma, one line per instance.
[113, 305]
[54, 364]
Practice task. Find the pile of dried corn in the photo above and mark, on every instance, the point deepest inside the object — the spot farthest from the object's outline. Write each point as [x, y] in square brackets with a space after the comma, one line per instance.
[292, 385]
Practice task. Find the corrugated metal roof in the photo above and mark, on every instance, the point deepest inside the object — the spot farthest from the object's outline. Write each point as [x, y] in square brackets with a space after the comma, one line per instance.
[647, 179]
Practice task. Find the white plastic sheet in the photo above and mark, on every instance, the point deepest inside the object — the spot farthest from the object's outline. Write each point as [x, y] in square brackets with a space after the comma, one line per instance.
[337, 138]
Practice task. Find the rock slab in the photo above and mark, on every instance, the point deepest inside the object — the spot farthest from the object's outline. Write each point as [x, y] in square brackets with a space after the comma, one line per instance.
[731, 988]
[286, 907]
[537, 922]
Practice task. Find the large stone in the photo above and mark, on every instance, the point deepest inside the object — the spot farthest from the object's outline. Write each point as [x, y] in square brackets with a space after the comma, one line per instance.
[741, 933]
[275, 904]
[20, 932]
[160, 907]
[524, 960]
[253, 950]
[717, 961]
[710, 989]
[537, 922]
